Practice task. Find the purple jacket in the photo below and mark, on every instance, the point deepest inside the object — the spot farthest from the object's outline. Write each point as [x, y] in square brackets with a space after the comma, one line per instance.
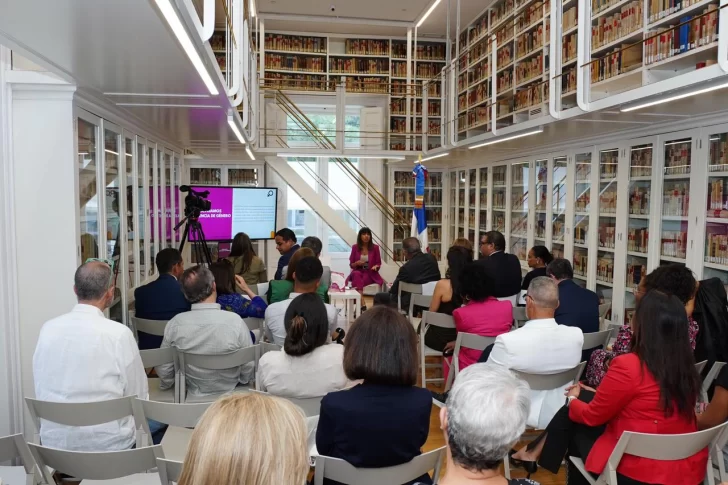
[375, 259]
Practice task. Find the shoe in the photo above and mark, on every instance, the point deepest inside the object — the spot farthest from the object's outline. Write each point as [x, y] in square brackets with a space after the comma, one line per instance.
[363, 309]
[340, 334]
[529, 466]
[442, 397]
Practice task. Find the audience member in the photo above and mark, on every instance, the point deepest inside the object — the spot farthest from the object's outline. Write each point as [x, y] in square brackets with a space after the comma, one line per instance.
[84, 357]
[314, 244]
[538, 258]
[485, 414]
[279, 290]
[652, 389]
[306, 275]
[503, 267]
[162, 299]
[672, 279]
[541, 346]
[248, 439]
[286, 245]
[230, 300]
[205, 329]
[464, 243]
[419, 268]
[578, 307]
[384, 298]
[447, 296]
[385, 420]
[245, 262]
[308, 366]
[365, 262]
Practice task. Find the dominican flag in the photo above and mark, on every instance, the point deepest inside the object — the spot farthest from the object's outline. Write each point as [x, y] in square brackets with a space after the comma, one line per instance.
[419, 218]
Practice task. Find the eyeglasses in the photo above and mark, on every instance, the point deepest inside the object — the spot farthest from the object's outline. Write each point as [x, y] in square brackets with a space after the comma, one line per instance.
[109, 262]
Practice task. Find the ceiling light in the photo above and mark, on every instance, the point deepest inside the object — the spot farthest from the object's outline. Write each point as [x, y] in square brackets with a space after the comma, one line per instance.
[250, 154]
[427, 14]
[439, 155]
[512, 137]
[236, 130]
[673, 98]
[184, 39]
[337, 155]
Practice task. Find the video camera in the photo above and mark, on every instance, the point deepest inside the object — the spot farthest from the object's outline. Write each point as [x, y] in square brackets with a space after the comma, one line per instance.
[195, 202]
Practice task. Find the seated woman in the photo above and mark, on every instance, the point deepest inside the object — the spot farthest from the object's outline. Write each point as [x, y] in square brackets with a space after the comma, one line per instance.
[483, 314]
[313, 243]
[538, 258]
[446, 297]
[385, 420]
[652, 389]
[364, 261]
[673, 279]
[230, 300]
[307, 366]
[485, 414]
[245, 262]
[250, 439]
[464, 243]
[279, 290]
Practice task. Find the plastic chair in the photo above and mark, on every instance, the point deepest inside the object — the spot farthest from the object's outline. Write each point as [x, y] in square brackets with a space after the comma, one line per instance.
[341, 471]
[266, 347]
[603, 310]
[152, 327]
[662, 447]
[411, 288]
[12, 447]
[311, 406]
[708, 381]
[87, 414]
[154, 358]
[596, 339]
[549, 382]
[700, 366]
[107, 465]
[169, 471]
[181, 418]
[215, 362]
[428, 289]
[716, 460]
[263, 290]
[421, 300]
[513, 299]
[469, 341]
[519, 316]
[438, 320]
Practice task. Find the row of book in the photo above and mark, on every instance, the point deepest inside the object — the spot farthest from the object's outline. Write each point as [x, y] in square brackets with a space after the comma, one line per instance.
[635, 270]
[600, 5]
[638, 239]
[424, 52]
[528, 42]
[568, 81]
[531, 68]
[608, 202]
[676, 200]
[716, 248]
[607, 232]
[659, 9]
[581, 263]
[404, 180]
[502, 11]
[504, 81]
[717, 198]
[531, 96]
[674, 244]
[479, 51]
[478, 117]
[581, 233]
[295, 63]
[640, 161]
[620, 60]
[428, 70]
[368, 47]
[677, 158]
[615, 26]
[280, 42]
[478, 95]
[478, 30]
[374, 85]
[718, 153]
[480, 72]
[690, 33]
[358, 66]
[568, 48]
[605, 269]
[608, 163]
[583, 171]
[296, 81]
[531, 15]
[582, 202]
[639, 200]
[569, 18]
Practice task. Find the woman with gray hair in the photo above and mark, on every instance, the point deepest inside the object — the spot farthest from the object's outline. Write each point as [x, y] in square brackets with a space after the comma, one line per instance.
[484, 416]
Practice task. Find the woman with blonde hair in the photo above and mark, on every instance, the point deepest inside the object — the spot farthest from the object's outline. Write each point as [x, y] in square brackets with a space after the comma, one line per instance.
[250, 439]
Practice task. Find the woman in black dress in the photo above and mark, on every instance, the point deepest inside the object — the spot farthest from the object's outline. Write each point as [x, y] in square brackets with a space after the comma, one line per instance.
[538, 258]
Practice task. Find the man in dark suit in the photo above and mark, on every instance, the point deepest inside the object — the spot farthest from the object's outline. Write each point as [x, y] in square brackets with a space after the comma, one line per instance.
[286, 244]
[419, 269]
[162, 299]
[504, 268]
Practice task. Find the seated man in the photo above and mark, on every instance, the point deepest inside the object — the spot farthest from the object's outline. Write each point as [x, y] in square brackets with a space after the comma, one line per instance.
[305, 280]
[84, 357]
[315, 245]
[578, 307]
[206, 329]
[162, 299]
[541, 346]
[419, 269]
[286, 246]
[503, 267]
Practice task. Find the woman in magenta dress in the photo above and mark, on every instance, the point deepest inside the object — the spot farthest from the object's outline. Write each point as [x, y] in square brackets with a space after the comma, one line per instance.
[364, 262]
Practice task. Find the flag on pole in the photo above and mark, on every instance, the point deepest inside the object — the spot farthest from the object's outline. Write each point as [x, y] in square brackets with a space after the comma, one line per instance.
[419, 216]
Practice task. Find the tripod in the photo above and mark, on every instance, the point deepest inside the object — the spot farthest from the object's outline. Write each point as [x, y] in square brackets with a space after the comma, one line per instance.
[193, 228]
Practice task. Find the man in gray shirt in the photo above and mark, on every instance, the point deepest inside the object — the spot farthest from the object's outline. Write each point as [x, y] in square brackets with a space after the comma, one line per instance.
[205, 329]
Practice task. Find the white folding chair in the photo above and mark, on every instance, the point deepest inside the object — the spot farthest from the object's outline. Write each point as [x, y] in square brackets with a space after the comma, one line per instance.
[255, 325]
[596, 339]
[266, 347]
[519, 316]
[169, 470]
[513, 299]
[700, 366]
[468, 341]
[215, 362]
[181, 418]
[412, 289]
[311, 406]
[421, 301]
[428, 289]
[603, 310]
[12, 447]
[263, 290]
[662, 447]
[154, 358]
[708, 381]
[341, 471]
[151, 327]
[716, 460]
[87, 414]
[131, 465]
[438, 320]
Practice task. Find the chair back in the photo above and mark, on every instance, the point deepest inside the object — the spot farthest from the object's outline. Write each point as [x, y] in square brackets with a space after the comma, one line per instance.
[700, 366]
[173, 414]
[311, 406]
[341, 471]
[519, 316]
[513, 299]
[169, 471]
[214, 362]
[106, 465]
[266, 347]
[549, 382]
[413, 289]
[421, 300]
[709, 378]
[428, 289]
[468, 341]
[437, 320]
[152, 327]
[155, 357]
[15, 446]
[595, 339]
[263, 290]
[603, 310]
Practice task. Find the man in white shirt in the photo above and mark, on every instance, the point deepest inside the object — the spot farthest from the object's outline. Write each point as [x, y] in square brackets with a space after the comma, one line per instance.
[305, 280]
[541, 346]
[206, 329]
[84, 357]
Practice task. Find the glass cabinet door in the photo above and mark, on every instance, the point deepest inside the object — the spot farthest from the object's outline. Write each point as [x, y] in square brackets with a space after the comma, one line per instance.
[142, 208]
[519, 210]
[582, 206]
[247, 177]
[558, 207]
[87, 189]
[483, 204]
[112, 184]
[205, 176]
[715, 261]
[433, 206]
[404, 200]
[500, 192]
[472, 197]
[153, 221]
[453, 204]
[542, 188]
[675, 200]
[608, 168]
[131, 207]
[461, 202]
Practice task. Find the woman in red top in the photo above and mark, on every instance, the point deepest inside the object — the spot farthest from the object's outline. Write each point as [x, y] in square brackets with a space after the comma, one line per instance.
[653, 389]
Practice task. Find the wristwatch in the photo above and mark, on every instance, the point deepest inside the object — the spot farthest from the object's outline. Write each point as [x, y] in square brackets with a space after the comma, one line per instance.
[569, 399]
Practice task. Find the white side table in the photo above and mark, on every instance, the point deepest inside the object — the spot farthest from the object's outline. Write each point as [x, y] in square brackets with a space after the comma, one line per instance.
[351, 299]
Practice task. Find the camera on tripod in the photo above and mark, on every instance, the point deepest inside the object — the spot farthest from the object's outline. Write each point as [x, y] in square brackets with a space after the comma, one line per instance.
[195, 202]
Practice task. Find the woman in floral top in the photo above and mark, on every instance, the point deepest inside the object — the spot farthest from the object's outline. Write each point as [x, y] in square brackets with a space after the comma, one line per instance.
[674, 279]
[230, 300]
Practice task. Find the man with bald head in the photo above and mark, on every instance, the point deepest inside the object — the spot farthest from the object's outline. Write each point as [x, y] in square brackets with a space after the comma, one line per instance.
[541, 346]
[83, 356]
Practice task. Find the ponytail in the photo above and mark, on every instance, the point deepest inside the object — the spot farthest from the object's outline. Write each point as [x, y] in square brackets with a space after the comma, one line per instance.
[295, 343]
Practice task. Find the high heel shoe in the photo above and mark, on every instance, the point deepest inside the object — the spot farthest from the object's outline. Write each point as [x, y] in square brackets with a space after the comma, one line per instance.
[529, 466]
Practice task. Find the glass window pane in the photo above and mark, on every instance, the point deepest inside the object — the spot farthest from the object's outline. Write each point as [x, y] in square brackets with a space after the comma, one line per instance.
[130, 209]
[499, 198]
[558, 207]
[177, 200]
[675, 201]
[166, 196]
[582, 205]
[344, 199]
[142, 208]
[89, 202]
[542, 187]
[152, 212]
[519, 210]
[301, 218]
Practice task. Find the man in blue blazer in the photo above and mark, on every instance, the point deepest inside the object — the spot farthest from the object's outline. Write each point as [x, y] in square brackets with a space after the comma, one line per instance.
[162, 299]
